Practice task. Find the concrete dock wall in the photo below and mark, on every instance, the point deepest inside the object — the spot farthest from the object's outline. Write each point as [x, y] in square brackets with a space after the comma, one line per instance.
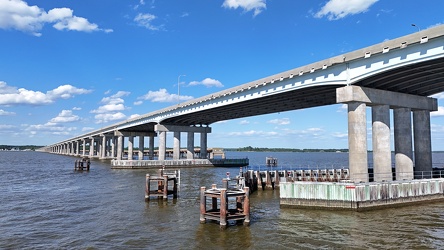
[363, 196]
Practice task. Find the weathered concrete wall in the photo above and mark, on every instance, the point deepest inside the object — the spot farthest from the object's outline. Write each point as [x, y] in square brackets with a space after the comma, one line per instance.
[360, 197]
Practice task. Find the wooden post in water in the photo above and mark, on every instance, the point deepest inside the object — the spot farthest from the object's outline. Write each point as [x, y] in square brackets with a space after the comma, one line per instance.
[165, 187]
[223, 208]
[213, 199]
[147, 187]
[203, 205]
[246, 206]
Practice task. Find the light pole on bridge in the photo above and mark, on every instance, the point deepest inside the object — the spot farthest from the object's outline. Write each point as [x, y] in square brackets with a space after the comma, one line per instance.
[414, 25]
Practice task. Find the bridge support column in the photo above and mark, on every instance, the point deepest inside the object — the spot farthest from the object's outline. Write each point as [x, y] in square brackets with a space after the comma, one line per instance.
[172, 128]
[203, 145]
[176, 147]
[104, 148]
[71, 150]
[382, 162]
[151, 147]
[130, 147]
[91, 147]
[402, 121]
[112, 141]
[77, 147]
[84, 147]
[357, 142]
[422, 142]
[162, 145]
[141, 146]
[190, 145]
[120, 144]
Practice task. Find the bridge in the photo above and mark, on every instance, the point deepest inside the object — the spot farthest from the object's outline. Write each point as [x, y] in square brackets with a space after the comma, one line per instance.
[398, 74]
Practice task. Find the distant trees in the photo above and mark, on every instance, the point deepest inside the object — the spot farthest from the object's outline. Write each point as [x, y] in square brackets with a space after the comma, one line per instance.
[23, 147]
[256, 149]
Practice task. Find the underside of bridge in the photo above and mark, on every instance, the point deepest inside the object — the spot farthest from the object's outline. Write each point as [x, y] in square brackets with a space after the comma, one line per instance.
[423, 79]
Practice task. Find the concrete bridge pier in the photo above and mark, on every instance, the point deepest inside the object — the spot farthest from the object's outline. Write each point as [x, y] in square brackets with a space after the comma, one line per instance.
[358, 98]
[163, 129]
[402, 121]
[382, 163]
[423, 144]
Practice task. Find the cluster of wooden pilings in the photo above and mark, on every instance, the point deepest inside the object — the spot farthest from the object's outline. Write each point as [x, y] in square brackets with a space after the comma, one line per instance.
[162, 185]
[81, 165]
[221, 210]
[272, 178]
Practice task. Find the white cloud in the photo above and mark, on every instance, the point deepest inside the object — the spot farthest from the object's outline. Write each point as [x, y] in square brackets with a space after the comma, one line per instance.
[253, 133]
[5, 126]
[145, 20]
[3, 112]
[163, 96]
[18, 15]
[13, 96]
[65, 116]
[87, 129]
[283, 121]
[248, 5]
[207, 82]
[110, 110]
[103, 118]
[244, 122]
[51, 128]
[337, 9]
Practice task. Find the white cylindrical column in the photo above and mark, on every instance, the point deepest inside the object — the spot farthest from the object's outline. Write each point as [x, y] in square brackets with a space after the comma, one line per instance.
[382, 156]
[119, 147]
[176, 146]
[130, 147]
[141, 147]
[357, 142]
[162, 145]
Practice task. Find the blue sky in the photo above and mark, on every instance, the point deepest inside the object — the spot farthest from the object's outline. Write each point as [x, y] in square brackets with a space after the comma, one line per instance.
[69, 67]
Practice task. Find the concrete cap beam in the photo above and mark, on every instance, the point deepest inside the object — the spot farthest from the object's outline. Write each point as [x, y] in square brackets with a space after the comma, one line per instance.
[172, 128]
[383, 97]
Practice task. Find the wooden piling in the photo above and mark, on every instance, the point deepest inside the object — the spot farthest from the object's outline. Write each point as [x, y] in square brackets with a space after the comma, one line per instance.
[223, 214]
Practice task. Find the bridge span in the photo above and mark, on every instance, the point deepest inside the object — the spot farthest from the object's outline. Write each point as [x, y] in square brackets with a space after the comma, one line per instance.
[398, 74]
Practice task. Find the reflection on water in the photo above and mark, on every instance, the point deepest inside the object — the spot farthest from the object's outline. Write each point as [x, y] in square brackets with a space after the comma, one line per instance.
[46, 205]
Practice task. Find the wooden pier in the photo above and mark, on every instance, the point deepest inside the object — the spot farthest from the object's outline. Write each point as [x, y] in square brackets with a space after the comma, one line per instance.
[220, 209]
[272, 178]
[163, 185]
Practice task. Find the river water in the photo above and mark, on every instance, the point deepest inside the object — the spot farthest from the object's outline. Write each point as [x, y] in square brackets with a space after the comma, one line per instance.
[45, 204]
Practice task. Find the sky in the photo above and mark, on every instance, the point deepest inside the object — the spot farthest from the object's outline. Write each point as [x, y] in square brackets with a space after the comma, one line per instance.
[69, 67]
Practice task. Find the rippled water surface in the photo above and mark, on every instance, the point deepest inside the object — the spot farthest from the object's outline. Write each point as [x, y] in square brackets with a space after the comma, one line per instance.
[45, 204]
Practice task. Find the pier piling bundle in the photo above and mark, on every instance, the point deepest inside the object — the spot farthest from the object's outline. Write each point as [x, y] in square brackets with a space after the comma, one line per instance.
[162, 185]
[220, 209]
[81, 165]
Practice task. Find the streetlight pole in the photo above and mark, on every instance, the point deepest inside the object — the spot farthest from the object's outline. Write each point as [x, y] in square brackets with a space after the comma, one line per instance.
[178, 89]
[414, 25]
